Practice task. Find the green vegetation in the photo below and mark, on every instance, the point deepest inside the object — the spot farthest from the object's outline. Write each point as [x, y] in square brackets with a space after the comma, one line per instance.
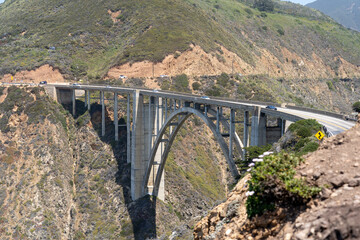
[63, 36]
[196, 86]
[330, 85]
[264, 5]
[305, 141]
[180, 83]
[356, 107]
[251, 153]
[273, 182]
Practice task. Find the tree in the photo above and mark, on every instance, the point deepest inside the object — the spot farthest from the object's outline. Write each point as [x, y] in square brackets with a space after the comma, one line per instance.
[356, 107]
[264, 5]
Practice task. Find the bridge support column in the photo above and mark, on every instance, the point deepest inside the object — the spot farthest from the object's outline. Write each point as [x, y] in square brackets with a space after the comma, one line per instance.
[73, 102]
[262, 129]
[258, 128]
[246, 132]
[102, 113]
[255, 127]
[218, 119]
[116, 120]
[88, 100]
[138, 159]
[231, 133]
[128, 131]
[158, 156]
[283, 124]
[85, 98]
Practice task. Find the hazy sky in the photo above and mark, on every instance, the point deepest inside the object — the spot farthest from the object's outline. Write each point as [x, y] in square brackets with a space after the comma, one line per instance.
[295, 1]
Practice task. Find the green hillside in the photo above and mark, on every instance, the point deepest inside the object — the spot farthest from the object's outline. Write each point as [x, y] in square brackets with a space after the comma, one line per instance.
[346, 12]
[81, 39]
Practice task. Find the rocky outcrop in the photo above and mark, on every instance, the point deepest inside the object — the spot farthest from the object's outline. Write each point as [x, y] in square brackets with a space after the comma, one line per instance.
[334, 214]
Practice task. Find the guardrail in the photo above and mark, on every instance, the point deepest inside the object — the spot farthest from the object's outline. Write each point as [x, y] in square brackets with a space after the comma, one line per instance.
[331, 114]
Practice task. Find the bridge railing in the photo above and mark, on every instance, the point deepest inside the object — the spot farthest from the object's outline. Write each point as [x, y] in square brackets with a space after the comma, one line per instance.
[330, 114]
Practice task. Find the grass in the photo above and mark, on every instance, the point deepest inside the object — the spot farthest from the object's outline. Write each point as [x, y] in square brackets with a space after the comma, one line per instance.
[200, 176]
[86, 47]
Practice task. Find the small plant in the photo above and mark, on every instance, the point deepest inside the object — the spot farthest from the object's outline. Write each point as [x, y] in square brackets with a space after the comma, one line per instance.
[356, 107]
[264, 5]
[196, 86]
[273, 183]
[223, 80]
[248, 11]
[281, 31]
[181, 83]
[330, 85]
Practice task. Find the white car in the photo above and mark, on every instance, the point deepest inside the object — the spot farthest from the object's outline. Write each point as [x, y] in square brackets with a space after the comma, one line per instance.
[122, 76]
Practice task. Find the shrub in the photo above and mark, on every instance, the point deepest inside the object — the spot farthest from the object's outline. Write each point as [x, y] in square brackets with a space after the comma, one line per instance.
[281, 31]
[223, 79]
[196, 86]
[304, 132]
[251, 153]
[248, 11]
[311, 124]
[274, 184]
[356, 107]
[309, 147]
[214, 91]
[181, 83]
[330, 85]
[264, 5]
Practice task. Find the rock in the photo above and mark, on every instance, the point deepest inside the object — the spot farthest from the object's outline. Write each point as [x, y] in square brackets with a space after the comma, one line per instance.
[355, 165]
[325, 193]
[316, 175]
[346, 187]
[304, 234]
[354, 183]
[338, 181]
[288, 236]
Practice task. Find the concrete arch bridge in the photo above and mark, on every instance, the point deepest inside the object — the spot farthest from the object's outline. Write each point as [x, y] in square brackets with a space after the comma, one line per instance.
[155, 117]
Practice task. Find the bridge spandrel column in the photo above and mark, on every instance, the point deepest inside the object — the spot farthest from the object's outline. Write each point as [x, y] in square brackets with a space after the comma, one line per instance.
[73, 102]
[258, 128]
[102, 113]
[160, 150]
[128, 131]
[254, 140]
[262, 129]
[138, 165]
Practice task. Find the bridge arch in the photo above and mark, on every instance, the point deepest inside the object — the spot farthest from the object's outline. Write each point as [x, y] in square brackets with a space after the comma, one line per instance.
[180, 116]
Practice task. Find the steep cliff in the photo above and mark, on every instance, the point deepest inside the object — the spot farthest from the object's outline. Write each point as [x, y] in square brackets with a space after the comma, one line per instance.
[60, 180]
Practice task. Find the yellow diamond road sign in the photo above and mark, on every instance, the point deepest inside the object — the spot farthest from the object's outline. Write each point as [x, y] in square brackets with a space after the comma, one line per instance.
[319, 135]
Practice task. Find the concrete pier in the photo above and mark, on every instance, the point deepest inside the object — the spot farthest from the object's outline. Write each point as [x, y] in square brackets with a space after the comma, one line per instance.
[138, 163]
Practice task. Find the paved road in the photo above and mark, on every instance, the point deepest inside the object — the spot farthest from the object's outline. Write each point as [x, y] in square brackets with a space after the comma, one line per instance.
[334, 125]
